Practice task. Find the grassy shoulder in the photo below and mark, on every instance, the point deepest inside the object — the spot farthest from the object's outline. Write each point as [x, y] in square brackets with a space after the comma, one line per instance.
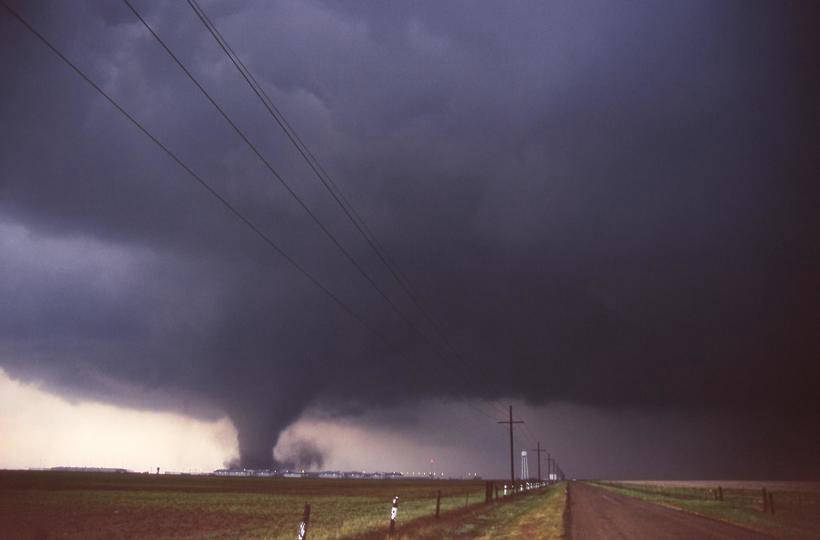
[734, 509]
[539, 515]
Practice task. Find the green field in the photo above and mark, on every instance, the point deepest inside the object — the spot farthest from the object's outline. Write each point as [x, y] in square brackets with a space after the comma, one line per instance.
[797, 506]
[35, 504]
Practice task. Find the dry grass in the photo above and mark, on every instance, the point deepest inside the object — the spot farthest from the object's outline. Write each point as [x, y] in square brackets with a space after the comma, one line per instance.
[797, 510]
[729, 484]
[98, 505]
[538, 515]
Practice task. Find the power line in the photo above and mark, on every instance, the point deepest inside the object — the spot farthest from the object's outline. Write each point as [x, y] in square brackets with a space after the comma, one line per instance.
[282, 181]
[270, 167]
[210, 190]
[187, 169]
[538, 451]
[529, 434]
[326, 181]
[512, 452]
[223, 201]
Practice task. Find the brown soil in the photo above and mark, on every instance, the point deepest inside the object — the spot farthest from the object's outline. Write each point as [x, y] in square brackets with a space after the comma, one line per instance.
[598, 513]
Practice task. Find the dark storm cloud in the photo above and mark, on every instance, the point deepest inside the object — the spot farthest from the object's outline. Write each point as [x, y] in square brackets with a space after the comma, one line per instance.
[607, 204]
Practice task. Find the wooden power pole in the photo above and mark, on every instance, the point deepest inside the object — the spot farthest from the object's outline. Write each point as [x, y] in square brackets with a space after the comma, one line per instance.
[538, 453]
[512, 452]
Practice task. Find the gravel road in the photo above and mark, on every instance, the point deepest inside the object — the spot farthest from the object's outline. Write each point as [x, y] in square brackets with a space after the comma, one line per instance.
[598, 513]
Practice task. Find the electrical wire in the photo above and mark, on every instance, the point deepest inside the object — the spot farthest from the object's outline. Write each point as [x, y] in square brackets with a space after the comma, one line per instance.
[282, 181]
[324, 178]
[278, 176]
[210, 190]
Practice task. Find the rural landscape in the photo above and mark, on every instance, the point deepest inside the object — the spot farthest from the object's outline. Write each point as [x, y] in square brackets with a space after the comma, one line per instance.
[384, 269]
[40, 504]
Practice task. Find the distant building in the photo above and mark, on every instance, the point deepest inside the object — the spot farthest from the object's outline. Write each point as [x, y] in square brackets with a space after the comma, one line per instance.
[387, 475]
[265, 473]
[229, 472]
[90, 469]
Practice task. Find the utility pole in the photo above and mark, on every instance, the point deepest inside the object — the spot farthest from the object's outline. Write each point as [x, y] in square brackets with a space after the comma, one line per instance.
[538, 453]
[512, 453]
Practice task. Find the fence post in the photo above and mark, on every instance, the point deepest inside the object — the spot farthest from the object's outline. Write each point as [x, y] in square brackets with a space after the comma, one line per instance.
[467, 500]
[394, 512]
[496, 491]
[438, 502]
[771, 503]
[303, 526]
[720, 493]
[765, 501]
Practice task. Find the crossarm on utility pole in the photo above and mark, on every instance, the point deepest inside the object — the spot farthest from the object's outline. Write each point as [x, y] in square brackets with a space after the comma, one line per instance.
[538, 453]
[512, 453]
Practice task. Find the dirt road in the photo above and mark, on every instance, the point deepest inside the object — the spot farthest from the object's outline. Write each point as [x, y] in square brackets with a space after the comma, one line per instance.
[598, 513]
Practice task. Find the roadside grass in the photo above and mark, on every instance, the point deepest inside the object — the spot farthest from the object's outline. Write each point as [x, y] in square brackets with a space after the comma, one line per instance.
[741, 507]
[538, 515]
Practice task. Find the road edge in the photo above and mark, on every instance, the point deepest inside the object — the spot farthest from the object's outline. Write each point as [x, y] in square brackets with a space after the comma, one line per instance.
[686, 511]
[568, 513]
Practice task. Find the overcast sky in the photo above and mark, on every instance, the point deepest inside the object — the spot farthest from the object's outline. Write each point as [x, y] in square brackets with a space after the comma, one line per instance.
[608, 208]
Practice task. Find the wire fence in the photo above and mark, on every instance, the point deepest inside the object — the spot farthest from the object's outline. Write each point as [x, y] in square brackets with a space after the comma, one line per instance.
[798, 506]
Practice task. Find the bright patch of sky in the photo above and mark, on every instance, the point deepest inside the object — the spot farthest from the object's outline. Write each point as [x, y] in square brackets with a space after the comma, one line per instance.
[39, 429]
